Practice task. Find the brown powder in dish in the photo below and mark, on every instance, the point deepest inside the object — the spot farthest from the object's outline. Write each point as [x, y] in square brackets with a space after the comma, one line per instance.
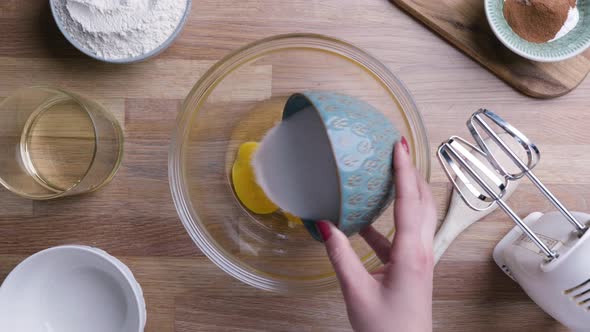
[537, 21]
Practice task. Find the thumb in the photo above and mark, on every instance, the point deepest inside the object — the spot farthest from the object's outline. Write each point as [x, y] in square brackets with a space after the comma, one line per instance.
[350, 270]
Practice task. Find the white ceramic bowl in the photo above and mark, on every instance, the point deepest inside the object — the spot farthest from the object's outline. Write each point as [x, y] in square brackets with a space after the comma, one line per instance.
[71, 289]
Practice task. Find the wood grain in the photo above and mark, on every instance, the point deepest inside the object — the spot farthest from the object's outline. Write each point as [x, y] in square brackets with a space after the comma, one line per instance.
[134, 217]
[463, 23]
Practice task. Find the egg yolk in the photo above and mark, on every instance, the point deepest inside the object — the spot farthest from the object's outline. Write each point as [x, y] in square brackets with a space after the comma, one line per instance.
[244, 180]
[293, 220]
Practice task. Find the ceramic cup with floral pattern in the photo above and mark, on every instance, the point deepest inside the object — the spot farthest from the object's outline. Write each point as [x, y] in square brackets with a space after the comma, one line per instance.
[362, 141]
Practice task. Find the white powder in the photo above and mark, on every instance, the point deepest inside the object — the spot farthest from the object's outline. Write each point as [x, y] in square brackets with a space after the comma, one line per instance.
[573, 16]
[120, 29]
[300, 148]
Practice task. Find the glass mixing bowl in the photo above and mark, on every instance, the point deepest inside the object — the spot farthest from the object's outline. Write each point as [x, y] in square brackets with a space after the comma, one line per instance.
[238, 100]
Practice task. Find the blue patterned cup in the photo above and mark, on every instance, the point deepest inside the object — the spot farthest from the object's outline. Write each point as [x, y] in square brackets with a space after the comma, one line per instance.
[362, 140]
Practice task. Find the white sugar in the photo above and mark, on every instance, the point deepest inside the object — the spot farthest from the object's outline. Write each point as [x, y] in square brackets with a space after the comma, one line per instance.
[295, 167]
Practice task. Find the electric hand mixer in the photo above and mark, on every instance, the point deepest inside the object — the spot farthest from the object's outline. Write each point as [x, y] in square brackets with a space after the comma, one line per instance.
[543, 254]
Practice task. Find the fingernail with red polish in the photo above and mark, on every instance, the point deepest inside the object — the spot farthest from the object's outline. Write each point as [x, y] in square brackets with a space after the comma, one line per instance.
[324, 230]
[405, 145]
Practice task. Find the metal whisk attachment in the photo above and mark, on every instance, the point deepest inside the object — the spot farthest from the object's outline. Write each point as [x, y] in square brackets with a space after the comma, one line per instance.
[533, 156]
[455, 156]
[486, 181]
[482, 182]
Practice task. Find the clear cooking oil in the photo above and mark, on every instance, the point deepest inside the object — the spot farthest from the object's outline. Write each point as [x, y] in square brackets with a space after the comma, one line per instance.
[58, 144]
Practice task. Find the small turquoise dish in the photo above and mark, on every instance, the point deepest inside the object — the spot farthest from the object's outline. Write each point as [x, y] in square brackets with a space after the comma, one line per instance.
[573, 43]
[364, 162]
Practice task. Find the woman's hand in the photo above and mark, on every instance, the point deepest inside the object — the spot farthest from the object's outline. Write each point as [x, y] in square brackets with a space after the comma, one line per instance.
[398, 296]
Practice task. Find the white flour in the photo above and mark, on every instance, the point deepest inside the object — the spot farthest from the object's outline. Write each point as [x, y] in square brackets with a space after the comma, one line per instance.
[119, 29]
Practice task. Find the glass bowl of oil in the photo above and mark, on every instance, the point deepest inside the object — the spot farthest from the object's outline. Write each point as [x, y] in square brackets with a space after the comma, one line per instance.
[237, 101]
[56, 143]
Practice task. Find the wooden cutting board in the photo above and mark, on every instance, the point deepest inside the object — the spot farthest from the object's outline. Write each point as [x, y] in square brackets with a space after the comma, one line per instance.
[463, 23]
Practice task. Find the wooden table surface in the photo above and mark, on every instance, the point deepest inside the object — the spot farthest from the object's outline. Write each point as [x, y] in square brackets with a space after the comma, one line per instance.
[134, 219]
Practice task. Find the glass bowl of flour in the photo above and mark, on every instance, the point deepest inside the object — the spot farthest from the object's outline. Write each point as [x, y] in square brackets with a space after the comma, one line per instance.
[120, 31]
